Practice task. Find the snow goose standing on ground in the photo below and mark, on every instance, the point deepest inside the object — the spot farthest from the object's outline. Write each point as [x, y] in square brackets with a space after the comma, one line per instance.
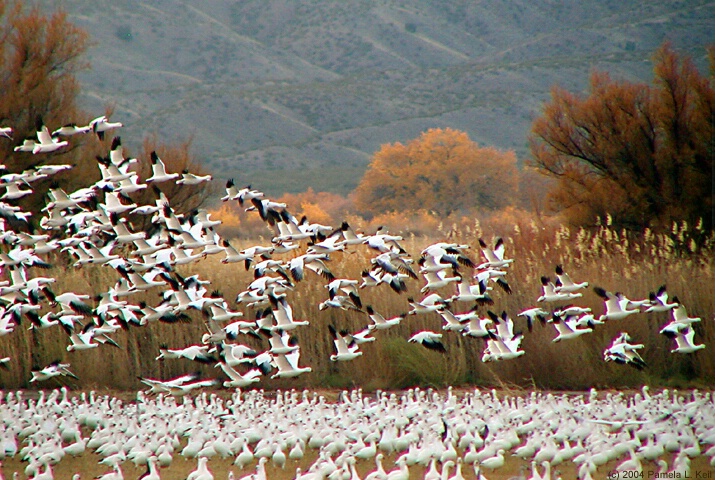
[202, 471]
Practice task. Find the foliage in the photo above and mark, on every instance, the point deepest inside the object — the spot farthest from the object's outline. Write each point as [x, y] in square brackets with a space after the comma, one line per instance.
[39, 57]
[442, 170]
[641, 153]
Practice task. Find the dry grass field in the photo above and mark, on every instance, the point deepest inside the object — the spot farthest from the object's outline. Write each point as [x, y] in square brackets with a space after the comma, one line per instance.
[617, 261]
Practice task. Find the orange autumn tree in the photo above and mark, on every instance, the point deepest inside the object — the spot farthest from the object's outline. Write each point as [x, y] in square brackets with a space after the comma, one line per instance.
[442, 171]
[641, 153]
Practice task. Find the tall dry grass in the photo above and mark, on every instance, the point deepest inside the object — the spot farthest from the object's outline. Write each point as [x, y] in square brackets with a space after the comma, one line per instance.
[615, 260]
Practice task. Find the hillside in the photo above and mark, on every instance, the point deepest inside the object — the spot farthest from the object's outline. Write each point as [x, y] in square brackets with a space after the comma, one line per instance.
[287, 95]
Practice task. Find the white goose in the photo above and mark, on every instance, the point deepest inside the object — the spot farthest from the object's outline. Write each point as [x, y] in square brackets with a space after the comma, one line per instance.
[101, 124]
[614, 309]
[158, 169]
[287, 364]
[684, 337]
[46, 143]
[346, 348]
[567, 328]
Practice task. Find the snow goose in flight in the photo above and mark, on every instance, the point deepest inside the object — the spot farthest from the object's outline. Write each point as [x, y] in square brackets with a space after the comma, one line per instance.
[46, 143]
[234, 354]
[363, 336]
[7, 325]
[27, 145]
[504, 325]
[499, 348]
[113, 203]
[566, 328]
[659, 301]
[680, 314]
[451, 253]
[384, 243]
[347, 286]
[329, 245]
[467, 292]
[394, 263]
[551, 295]
[196, 353]
[52, 370]
[70, 129]
[565, 284]
[345, 346]
[614, 307]
[158, 169]
[82, 340]
[437, 280]
[496, 276]
[430, 303]
[380, 322]
[455, 322]
[283, 313]
[6, 132]
[349, 235]
[287, 365]
[477, 327]
[531, 314]
[494, 257]
[429, 340]
[13, 191]
[280, 341]
[188, 178]
[339, 301]
[621, 351]
[247, 194]
[236, 380]
[101, 124]
[684, 337]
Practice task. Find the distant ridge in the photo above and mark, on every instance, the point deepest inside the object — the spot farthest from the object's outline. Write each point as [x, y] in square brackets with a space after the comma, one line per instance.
[278, 85]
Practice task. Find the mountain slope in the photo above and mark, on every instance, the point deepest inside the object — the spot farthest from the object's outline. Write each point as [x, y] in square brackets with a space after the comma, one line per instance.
[287, 95]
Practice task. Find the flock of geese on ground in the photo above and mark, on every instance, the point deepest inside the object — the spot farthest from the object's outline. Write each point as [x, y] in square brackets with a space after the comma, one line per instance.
[444, 435]
[91, 225]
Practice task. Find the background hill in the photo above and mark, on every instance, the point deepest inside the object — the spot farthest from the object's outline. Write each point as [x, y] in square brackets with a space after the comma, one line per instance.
[287, 95]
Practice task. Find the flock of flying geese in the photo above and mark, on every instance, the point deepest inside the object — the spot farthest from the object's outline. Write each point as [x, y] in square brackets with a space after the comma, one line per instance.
[91, 225]
[97, 232]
